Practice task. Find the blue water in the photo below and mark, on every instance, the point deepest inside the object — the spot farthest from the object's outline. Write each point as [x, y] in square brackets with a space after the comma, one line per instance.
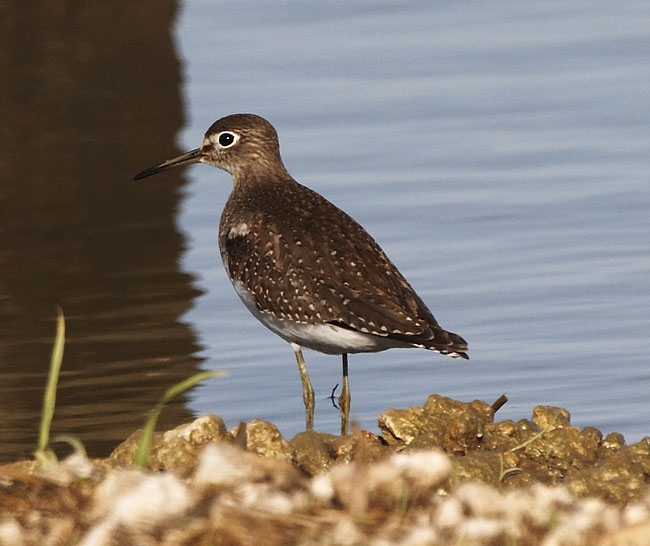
[500, 154]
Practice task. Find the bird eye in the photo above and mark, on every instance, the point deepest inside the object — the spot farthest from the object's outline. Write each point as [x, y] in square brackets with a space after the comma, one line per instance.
[227, 139]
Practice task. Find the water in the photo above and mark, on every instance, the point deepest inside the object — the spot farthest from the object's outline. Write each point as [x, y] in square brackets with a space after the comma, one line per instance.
[498, 154]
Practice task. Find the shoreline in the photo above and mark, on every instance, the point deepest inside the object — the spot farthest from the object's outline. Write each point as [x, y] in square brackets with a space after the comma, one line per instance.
[445, 472]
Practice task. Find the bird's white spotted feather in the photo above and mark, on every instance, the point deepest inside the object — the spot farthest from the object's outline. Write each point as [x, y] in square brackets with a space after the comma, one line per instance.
[323, 337]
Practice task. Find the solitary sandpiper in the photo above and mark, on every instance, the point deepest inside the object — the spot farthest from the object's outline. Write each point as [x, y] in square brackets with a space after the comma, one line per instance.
[303, 267]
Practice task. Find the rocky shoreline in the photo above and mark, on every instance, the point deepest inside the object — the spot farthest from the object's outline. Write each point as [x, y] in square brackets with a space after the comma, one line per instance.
[441, 474]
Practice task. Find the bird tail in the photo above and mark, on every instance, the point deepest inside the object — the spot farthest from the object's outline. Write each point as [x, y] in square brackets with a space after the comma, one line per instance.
[448, 343]
[438, 340]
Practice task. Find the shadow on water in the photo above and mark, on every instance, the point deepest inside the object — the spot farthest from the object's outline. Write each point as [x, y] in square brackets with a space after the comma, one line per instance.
[86, 89]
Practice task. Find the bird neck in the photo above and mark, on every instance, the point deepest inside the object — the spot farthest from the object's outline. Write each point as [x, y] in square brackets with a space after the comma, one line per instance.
[261, 172]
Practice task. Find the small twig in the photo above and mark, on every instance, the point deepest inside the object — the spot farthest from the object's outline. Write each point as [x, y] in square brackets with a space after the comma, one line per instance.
[498, 403]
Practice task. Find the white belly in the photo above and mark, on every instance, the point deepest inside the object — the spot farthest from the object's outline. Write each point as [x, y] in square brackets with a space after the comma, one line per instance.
[322, 337]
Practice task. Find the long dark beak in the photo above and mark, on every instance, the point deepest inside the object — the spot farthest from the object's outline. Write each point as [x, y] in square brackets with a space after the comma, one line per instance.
[186, 159]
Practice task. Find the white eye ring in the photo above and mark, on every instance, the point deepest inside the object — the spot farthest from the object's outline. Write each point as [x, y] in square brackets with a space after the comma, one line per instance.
[226, 139]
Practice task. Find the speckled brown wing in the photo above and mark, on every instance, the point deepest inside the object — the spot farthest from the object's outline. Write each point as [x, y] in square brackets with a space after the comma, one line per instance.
[305, 260]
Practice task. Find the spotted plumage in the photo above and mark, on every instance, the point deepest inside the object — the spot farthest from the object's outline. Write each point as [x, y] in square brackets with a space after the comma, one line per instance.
[302, 266]
[304, 260]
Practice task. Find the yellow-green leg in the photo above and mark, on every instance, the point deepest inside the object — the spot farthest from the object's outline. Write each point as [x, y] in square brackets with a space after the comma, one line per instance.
[307, 389]
[344, 399]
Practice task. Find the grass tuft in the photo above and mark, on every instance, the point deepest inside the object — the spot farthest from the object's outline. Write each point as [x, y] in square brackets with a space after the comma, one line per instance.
[75, 443]
[44, 455]
[146, 437]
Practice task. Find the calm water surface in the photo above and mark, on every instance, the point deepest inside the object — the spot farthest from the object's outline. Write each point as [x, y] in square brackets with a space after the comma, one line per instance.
[499, 154]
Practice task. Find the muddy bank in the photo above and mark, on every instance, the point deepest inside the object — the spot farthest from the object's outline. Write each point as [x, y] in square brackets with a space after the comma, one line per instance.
[443, 473]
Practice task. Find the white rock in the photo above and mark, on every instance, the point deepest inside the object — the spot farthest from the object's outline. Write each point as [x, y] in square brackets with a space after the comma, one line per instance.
[135, 502]
[11, 533]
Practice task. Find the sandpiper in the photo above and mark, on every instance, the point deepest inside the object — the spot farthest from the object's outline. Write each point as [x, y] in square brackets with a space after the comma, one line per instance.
[306, 270]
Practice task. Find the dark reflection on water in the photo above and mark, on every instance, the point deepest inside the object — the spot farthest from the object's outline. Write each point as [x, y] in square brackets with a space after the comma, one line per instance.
[81, 87]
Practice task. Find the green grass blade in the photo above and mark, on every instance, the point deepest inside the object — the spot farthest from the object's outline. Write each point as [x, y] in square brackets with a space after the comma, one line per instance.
[49, 398]
[74, 442]
[146, 437]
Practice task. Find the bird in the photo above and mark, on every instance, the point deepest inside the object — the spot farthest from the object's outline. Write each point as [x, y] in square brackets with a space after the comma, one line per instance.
[304, 268]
